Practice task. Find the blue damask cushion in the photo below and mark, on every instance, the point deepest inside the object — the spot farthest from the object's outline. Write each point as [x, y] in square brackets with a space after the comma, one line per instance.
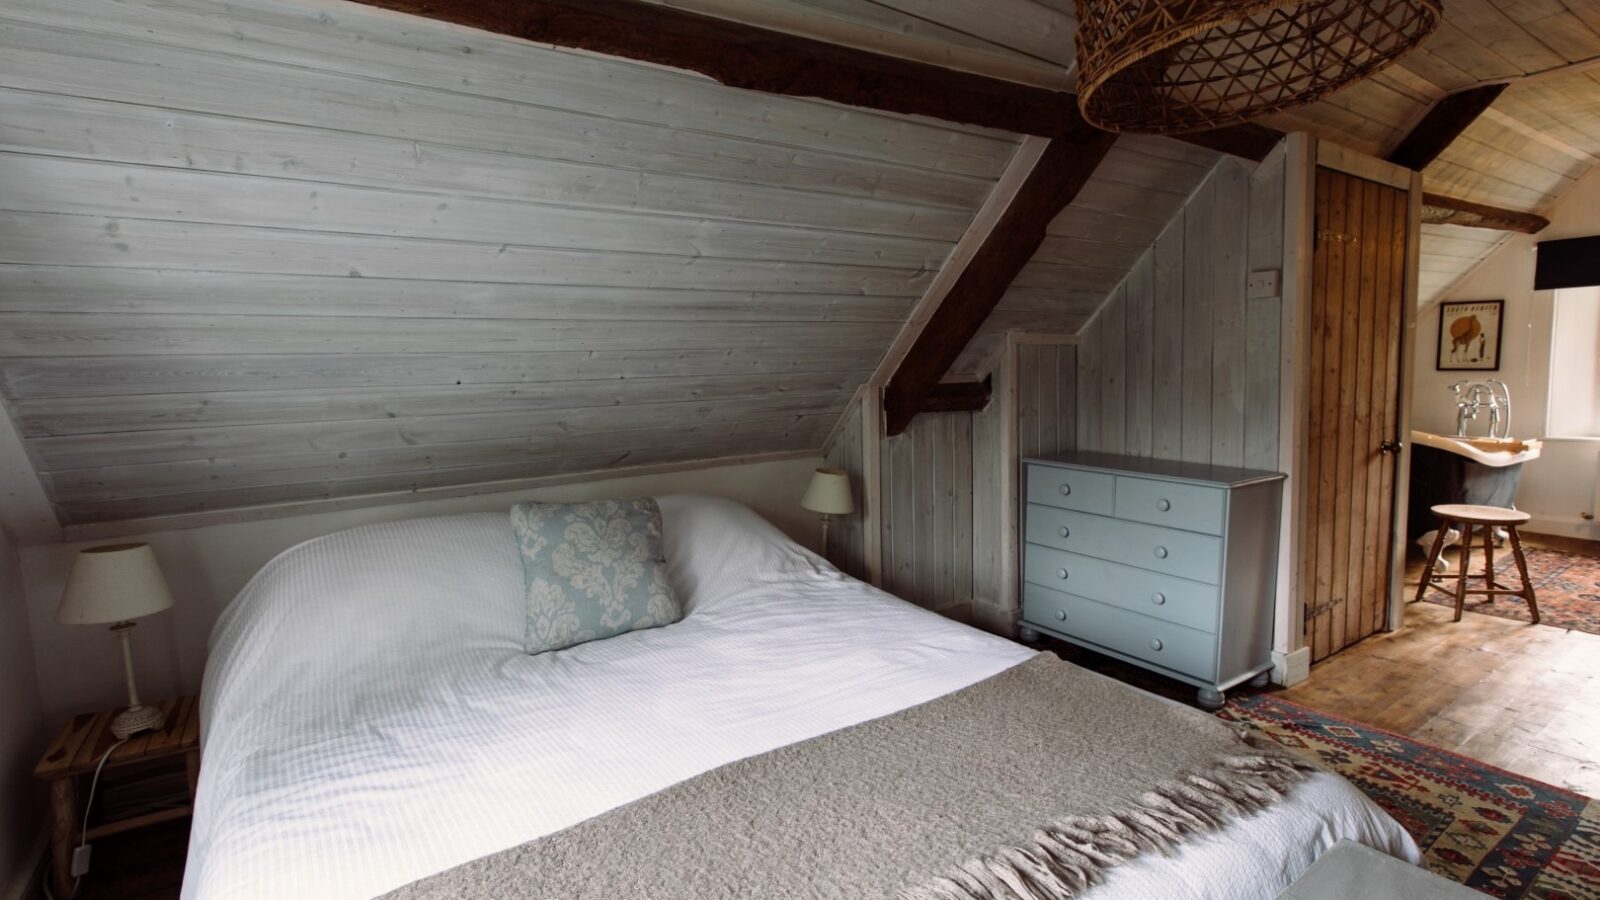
[592, 570]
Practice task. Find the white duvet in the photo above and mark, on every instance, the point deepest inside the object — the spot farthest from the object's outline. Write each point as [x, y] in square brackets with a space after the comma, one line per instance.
[371, 719]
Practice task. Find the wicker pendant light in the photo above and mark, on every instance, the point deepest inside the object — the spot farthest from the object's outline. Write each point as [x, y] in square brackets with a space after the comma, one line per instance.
[1173, 66]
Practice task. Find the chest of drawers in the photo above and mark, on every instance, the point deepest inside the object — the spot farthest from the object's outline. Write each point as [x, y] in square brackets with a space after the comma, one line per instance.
[1168, 565]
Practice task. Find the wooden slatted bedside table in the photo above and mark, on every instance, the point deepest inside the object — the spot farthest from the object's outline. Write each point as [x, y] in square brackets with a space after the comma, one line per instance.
[76, 751]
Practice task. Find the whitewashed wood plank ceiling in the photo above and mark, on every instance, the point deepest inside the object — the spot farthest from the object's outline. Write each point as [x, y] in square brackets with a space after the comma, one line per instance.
[269, 251]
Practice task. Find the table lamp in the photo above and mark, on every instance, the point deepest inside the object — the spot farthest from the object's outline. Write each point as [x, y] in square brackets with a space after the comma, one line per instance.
[828, 494]
[117, 583]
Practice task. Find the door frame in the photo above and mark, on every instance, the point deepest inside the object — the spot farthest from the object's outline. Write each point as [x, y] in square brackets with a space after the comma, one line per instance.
[1337, 157]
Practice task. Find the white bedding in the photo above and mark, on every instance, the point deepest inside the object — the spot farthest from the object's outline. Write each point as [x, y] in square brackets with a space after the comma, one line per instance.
[371, 719]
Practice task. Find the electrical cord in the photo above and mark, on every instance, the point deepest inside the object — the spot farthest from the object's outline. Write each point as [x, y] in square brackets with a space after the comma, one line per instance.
[88, 806]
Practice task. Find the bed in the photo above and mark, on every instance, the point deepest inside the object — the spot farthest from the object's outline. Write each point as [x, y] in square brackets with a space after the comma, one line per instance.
[371, 719]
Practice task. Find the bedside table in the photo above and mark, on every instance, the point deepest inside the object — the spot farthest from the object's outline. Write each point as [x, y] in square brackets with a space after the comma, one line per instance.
[76, 751]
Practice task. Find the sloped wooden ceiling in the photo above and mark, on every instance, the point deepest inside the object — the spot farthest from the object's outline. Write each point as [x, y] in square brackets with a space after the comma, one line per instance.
[263, 252]
[1539, 136]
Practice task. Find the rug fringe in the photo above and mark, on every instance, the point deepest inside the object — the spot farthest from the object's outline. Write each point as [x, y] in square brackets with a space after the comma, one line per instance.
[1068, 856]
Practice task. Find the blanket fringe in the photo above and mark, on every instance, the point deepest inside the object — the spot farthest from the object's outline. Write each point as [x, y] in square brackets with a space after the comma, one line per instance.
[1071, 855]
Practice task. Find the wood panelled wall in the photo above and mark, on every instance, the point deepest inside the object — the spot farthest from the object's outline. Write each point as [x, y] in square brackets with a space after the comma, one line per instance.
[1180, 363]
[848, 545]
[927, 525]
[281, 251]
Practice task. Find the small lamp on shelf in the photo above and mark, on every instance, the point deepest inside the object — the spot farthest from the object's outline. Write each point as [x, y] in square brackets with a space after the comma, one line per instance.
[829, 494]
[116, 584]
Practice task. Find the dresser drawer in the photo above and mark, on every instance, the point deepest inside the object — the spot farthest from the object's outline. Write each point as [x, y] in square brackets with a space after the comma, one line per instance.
[1092, 492]
[1197, 557]
[1191, 507]
[1187, 603]
[1164, 644]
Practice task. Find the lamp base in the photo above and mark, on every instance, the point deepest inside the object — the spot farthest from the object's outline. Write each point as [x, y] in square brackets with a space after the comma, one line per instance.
[135, 719]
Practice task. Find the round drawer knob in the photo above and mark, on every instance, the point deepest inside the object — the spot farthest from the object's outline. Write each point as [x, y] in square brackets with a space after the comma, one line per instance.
[1158, 598]
[1155, 644]
[1061, 614]
[1061, 574]
[1161, 553]
[1063, 531]
[1066, 489]
[1163, 505]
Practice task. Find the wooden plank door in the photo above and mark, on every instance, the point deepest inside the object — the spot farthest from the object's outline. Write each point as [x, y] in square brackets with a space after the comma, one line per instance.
[1357, 305]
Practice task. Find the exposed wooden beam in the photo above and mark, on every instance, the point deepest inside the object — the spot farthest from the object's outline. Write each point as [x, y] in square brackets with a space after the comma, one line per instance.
[1442, 125]
[755, 58]
[957, 396]
[1061, 171]
[1438, 209]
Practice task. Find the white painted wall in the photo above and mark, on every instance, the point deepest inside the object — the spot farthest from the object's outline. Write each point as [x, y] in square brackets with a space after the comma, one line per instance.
[22, 803]
[79, 668]
[1559, 488]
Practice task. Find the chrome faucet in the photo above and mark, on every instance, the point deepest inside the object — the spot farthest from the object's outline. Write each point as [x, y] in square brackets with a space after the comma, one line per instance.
[1477, 396]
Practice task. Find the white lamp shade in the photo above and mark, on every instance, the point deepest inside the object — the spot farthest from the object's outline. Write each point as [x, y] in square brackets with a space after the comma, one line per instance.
[829, 493]
[113, 584]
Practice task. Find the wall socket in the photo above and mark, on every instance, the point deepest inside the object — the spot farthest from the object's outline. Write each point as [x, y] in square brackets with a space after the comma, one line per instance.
[1263, 285]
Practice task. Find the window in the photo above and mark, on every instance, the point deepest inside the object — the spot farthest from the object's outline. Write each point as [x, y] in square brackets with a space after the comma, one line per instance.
[1575, 364]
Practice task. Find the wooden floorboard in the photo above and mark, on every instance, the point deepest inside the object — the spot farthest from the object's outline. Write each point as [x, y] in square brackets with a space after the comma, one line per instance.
[1518, 696]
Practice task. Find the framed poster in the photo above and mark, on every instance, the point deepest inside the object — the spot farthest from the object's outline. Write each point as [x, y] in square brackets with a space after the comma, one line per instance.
[1469, 335]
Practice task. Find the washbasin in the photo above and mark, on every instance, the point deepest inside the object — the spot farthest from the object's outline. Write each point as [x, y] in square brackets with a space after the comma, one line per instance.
[1494, 452]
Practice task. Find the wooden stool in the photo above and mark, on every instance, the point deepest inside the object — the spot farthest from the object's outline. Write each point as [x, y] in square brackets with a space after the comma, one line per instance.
[1487, 518]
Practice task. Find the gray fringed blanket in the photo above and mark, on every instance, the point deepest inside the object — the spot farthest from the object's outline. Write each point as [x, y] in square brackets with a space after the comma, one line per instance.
[1025, 786]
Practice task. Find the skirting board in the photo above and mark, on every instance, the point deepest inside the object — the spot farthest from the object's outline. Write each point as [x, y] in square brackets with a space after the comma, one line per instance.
[1290, 669]
[1564, 526]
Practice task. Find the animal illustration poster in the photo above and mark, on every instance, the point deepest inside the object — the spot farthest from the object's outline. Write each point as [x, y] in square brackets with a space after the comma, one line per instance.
[1469, 335]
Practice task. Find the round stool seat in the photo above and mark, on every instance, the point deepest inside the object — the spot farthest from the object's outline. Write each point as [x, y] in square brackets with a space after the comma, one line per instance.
[1473, 514]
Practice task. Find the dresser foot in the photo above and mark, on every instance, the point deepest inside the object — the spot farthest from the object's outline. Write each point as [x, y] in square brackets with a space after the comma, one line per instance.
[1027, 635]
[1262, 680]
[1210, 698]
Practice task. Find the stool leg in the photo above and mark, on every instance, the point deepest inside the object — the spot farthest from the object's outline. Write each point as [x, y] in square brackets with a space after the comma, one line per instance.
[1522, 569]
[1488, 561]
[1466, 560]
[1433, 559]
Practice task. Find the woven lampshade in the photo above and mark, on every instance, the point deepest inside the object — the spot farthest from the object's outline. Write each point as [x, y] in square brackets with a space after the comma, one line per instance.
[1173, 66]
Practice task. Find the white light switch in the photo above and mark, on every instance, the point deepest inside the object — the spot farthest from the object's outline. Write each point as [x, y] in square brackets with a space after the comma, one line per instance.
[1263, 284]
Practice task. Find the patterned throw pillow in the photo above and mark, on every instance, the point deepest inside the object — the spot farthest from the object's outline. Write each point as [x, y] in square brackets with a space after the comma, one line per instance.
[592, 570]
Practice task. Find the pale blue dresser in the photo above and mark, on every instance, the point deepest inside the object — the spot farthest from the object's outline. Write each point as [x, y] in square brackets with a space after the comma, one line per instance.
[1168, 565]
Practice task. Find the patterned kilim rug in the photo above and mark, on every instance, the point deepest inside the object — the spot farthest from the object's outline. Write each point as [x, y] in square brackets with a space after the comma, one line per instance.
[1500, 833]
[1566, 585]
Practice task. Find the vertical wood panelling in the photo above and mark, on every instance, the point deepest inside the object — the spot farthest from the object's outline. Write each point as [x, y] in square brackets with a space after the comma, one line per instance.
[1139, 361]
[1166, 264]
[928, 551]
[1198, 222]
[989, 450]
[1263, 316]
[1087, 413]
[847, 537]
[1228, 277]
[1112, 339]
[1178, 363]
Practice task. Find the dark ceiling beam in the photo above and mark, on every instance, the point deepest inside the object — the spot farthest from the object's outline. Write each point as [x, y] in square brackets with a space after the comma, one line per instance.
[760, 59]
[1061, 171]
[957, 396]
[1434, 134]
[1442, 125]
[1438, 209]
